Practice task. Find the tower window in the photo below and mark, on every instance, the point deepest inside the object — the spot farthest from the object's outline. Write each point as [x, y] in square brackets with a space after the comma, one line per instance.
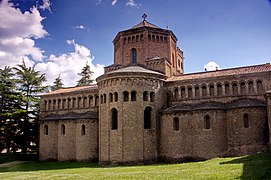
[63, 129]
[246, 121]
[190, 92]
[227, 89]
[207, 124]
[152, 96]
[250, 87]
[114, 118]
[125, 96]
[176, 126]
[110, 97]
[219, 89]
[116, 97]
[133, 96]
[83, 130]
[134, 55]
[204, 91]
[145, 96]
[147, 118]
[196, 91]
[259, 86]
[243, 87]
[46, 129]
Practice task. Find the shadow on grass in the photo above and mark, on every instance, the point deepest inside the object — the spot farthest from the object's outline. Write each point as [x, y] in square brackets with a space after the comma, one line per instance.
[49, 165]
[254, 166]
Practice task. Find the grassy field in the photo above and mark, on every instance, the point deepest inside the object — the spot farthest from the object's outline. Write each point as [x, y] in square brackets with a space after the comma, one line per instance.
[246, 167]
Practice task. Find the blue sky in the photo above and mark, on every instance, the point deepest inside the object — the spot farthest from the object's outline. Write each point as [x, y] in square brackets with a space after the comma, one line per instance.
[59, 36]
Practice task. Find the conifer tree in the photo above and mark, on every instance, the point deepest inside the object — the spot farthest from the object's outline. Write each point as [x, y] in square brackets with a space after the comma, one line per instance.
[85, 74]
[57, 83]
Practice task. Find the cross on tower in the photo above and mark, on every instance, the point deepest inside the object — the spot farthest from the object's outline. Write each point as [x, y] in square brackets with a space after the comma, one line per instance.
[144, 16]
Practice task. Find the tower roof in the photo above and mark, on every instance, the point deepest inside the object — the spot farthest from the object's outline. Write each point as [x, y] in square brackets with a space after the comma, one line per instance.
[145, 23]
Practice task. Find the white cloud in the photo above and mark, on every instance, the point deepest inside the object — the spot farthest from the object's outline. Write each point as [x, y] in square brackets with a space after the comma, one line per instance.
[132, 3]
[79, 27]
[114, 2]
[68, 65]
[18, 32]
[46, 5]
[211, 66]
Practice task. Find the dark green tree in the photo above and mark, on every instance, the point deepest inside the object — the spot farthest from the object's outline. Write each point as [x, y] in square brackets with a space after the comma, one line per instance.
[57, 84]
[29, 83]
[85, 74]
[9, 110]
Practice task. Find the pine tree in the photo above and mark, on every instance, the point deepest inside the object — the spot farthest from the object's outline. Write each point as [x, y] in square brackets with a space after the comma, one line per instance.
[57, 84]
[29, 84]
[85, 74]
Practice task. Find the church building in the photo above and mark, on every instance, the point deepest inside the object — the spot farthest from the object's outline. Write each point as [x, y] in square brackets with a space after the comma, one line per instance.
[145, 109]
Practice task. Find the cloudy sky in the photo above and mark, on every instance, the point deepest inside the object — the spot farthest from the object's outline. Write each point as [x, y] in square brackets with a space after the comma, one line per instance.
[60, 36]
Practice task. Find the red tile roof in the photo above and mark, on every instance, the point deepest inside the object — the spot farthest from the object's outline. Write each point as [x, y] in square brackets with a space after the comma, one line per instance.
[223, 72]
[73, 89]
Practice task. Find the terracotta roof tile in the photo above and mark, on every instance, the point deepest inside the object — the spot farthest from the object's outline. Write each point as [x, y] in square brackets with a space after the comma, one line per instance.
[145, 24]
[223, 72]
[73, 89]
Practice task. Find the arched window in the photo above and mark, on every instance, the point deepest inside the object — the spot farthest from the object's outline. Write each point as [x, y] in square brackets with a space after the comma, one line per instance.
[183, 92]
[204, 91]
[46, 129]
[96, 100]
[259, 86]
[110, 97]
[64, 104]
[134, 55]
[190, 93]
[176, 94]
[83, 130]
[152, 96]
[227, 89]
[196, 91]
[250, 87]
[207, 123]
[147, 118]
[116, 97]
[173, 60]
[45, 105]
[243, 87]
[63, 129]
[219, 90]
[54, 104]
[246, 121]
[85, 102]
[133, 96]
[125, 96]
[145, 96]
[69, 103]
[79, 102]
[90, 101]
[114, 119]
[176, 125]
[212, 90]
[59, 104]
[104, 98]
[234, 89]
[73, 102]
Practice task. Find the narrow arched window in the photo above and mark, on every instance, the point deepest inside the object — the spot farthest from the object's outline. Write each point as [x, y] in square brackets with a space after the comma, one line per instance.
[90, 101]
[125, 96]
[83, 130]
[246, 121]
[114, 119]
[196, 91]
[133, 96]
[173, 60]
[243, 87]
[73, 102]
[207, 123]
[116, 97]
[152, 96]
[259, 86]
[45, 105]
[212, 90]
[59, 104]
[219, 89]
[69, 103]
[134, 56]
[79, 102]
[147, 118]
[145, 96]
[227, 89]
[85, 102]
[234, 89]
[176, 124]
[46, 129]
[250, 87]
[204, 91]
[54, 104]
[104, 98]
[96, 101]
[190, 93]
[110, 97]
[63, 129]
[176, 94]
[183, 92]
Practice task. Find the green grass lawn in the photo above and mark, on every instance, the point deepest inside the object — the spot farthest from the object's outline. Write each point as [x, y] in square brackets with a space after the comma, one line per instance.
[246, 167]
